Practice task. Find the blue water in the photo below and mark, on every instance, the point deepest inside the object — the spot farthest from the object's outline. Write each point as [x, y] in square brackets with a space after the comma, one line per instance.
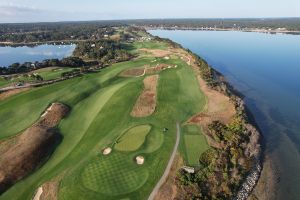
[10, 55]
[266, 69]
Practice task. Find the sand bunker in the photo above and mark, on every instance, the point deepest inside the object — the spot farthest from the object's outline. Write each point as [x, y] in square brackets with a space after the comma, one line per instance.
[107, 151]
[48, 191]
[30, 148]
[140, 160]
[146, 103]
[38, 193]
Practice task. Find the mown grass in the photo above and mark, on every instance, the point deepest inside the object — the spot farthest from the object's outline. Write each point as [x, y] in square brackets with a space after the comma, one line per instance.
[100, 112]
[108, 175]
[132, 139]
[193, 145]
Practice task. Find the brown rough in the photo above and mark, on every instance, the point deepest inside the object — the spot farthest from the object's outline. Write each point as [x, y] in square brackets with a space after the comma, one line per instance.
[156, 52]
[158, 68]
[26, 152]
[134, 72]
[146, 102]
[9, 93]
[50, 190]
[168, 190]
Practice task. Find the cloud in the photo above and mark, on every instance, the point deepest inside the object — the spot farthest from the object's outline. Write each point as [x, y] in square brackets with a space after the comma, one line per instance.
[16, 13]
[13, 10]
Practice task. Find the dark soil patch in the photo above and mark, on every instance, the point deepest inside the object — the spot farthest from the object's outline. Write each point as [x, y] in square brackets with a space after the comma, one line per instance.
[27, 151]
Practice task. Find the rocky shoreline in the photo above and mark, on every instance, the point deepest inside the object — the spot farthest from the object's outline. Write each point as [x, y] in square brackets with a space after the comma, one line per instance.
[253, 177]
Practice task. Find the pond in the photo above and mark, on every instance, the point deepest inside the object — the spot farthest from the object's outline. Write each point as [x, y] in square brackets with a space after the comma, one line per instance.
[10, 55]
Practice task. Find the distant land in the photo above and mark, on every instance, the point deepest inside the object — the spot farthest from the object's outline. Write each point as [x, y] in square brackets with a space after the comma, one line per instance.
[272, 25]
[244, 24]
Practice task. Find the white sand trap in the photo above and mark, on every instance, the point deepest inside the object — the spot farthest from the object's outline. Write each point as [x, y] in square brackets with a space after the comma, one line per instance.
[38, 194]
[140, 160]
[50, 108]
[107, 151]
[44, 114]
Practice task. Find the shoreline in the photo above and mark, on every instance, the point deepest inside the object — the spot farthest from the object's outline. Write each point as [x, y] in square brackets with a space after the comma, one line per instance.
[33, 44]
[249, 184]
[266, 31]
[250, 181]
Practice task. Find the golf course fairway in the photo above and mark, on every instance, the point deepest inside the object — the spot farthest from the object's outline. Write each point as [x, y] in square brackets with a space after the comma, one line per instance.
[100, 106]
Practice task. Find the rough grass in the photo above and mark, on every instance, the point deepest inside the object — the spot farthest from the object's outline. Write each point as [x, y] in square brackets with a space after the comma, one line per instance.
[150, 45]
[133, 139]
[50, 73]
[3, 82]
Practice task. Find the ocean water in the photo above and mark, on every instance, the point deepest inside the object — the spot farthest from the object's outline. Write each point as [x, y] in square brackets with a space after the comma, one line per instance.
[265, 68]
[10, 55]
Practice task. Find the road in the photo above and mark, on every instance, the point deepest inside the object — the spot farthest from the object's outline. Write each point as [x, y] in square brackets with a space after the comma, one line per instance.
[168, 168]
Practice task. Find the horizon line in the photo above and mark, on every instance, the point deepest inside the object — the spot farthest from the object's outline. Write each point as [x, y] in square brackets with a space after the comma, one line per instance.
[145, 19]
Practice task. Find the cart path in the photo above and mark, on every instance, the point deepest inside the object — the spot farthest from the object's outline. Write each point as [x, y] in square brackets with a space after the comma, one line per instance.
[168, 168]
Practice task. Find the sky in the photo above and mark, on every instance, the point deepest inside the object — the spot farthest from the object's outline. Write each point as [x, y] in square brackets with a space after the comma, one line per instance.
[80, 10]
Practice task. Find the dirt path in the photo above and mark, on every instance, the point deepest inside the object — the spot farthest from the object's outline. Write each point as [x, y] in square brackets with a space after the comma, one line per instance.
[167, 170]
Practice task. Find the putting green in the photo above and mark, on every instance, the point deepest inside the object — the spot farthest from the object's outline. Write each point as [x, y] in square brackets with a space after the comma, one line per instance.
[133, 139]
[154, 141]
[108, 175]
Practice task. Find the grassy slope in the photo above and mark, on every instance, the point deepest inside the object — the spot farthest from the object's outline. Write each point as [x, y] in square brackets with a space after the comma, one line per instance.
[101, 105]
